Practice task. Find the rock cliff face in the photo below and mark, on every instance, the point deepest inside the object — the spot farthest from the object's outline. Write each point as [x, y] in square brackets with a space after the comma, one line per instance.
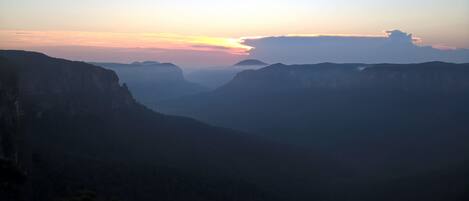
[11, 175]
[34, 87]
[8, 110]
[46, 83]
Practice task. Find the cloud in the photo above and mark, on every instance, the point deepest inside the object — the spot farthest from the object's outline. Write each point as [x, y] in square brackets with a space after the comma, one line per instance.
[399, 36]
[393, 47]
[12, 39]
[210, 47]
[183, 50]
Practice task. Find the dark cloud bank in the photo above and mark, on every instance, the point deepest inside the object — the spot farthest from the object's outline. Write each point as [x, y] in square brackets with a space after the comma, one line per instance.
[396, 47]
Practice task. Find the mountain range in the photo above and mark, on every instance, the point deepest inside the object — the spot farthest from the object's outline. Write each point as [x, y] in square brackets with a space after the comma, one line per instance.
[81, 130]
[385, 121]
[73, 131]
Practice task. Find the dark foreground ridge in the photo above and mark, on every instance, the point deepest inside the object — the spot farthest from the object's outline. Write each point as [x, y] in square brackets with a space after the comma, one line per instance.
[82, 134]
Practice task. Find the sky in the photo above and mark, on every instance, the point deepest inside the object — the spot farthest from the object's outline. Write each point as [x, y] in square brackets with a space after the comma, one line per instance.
[216, 27]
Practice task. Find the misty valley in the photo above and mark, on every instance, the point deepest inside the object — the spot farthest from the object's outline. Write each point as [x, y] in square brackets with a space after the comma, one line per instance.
[72, 130]
[246, 100]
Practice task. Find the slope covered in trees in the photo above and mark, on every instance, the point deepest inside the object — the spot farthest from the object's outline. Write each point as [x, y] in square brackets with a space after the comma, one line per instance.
[385, 121]
[84, 131]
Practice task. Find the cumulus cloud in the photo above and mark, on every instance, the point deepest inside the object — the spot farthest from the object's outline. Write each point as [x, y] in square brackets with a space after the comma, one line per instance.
[399, 36]
[394, 47]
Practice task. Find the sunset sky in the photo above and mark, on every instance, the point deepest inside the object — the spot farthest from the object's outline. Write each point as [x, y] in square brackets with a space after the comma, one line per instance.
[218, 26]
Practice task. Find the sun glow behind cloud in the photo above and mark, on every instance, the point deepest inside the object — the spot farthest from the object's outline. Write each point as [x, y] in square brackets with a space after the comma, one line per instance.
[193, 51]
[12, 39]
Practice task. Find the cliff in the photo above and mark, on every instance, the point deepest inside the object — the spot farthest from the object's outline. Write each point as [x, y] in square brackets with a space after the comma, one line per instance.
[8, 109]
[11, 175]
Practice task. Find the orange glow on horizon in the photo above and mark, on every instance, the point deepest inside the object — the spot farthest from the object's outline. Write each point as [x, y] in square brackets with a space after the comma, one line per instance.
[12, 39]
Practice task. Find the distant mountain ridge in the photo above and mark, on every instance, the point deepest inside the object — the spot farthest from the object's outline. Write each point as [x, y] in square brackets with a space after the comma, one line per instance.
[156, 64]
[151, 70]
[146, 63]
[251, 62]
[151, 81]
[431, 76]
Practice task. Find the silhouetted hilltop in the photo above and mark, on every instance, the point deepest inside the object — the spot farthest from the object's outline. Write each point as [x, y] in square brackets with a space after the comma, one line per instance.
[251, 62]
[83, 131]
